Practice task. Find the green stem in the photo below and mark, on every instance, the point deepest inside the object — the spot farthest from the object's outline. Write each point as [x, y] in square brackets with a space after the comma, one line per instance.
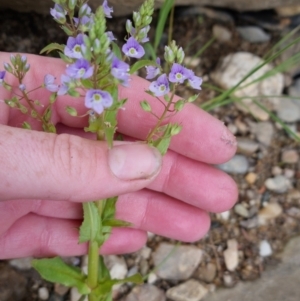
[167, 108]
[170, 35]
[93, 265]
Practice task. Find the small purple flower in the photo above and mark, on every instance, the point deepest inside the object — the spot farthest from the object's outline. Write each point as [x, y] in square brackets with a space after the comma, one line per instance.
[119, 70]
[98, 100]
[153, 71]
[143, 34]
[133, 49]
[194, 81]
[178, 73]
[161, 86]
[64, 87]
[22, 87]
[110, 36]
[58, 13]
[80, 69]
[73, 48]
[2, 75]
[107, 10]
[85, 10]
[49, 83]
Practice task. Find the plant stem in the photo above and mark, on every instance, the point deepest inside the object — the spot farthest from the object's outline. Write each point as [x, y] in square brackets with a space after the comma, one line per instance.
[93, 264]
[170, 35]
[161, 118]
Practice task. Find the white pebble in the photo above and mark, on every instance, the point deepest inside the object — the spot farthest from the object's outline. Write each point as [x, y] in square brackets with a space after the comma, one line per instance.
[43, 293]
[265, 249]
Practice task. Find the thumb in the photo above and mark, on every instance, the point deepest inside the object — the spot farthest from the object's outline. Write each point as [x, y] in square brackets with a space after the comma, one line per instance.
[37, 165]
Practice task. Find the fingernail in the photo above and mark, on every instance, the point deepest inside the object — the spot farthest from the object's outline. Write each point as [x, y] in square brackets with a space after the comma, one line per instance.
[134, 161]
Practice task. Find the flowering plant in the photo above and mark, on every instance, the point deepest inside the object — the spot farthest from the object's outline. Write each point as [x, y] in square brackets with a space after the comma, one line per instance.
[95, 67]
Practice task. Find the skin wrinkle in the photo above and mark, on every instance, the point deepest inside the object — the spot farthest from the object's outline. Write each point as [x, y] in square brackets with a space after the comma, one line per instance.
[171, 168]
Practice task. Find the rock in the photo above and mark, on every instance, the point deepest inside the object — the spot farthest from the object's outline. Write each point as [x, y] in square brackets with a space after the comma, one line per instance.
[253, 34]
[145, 252]
[247, 146]
[21, 263]
[190, 290]
[240, 210]
[237, 165]
[294, 90]
[276, 171]
[293, 195]
[269, 212]
[294, 212]
[234, 67]
[288, 110]
[207, 273]
[75, 295]
[192, 62]
[251, 178]
[228, 280]
[60, 289]
[279, 184]
[264, 132]
[289, 173]
[249, 223]
[231, 255]
[12, 285]
[288, 11]
[126, 7]
[224, 215]
[146, 292]
[43, 293]
[221, 33]
[291, 51]
[290, 156]
[117, 266]
[265, 249]
[152, 278]
[180, 265]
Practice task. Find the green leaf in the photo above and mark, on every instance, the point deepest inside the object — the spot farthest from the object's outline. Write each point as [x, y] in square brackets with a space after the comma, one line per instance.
[145, 106]
[72, 111]
[141, 64]
[51, 47]
[73, 93]
[87, 83]
[116, 50]
[179, 105]
[163, 16]
[116, 223]
[104, 288]
[162, 145]
[57, 271]
[26, 125]
[90, 228]
[193, 98]
[65, 58]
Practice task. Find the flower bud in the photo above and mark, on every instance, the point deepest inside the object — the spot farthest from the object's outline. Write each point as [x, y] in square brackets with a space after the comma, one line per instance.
[129, 26]
[169, 55]
[72, 4]
[180, 55]
[8, 67]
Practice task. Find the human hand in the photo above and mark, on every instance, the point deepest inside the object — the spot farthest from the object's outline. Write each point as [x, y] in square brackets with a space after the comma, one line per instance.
[45, 177]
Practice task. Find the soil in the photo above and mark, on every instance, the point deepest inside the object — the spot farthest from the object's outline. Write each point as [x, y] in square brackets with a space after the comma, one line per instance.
[30, 32]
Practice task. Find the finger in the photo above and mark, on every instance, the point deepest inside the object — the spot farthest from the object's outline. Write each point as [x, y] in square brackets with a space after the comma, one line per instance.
[195, 183]
[163, 215]
[56, 237]
[203, 137]
[70, 168]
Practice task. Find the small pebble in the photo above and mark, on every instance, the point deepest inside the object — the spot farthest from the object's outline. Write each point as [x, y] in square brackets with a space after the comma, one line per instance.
[43, 293]
[152, 278]
[241, 210]
[290, 156]
[276, 171]
[251, 178]
[279, 184]
[231, 256]
[192, 62]
[253, 34]
[269, 212]
[265, 249]
[237, 165]
[221, 33]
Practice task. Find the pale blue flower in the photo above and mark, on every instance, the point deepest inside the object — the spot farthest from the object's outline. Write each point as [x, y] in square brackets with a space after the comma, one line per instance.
[73, 47]
[49, 83]
[194, 81]
[98, 100]
[2, 75]
[58, 13]
[80, 69]
[107, 10]
[161, 86]
[133, 49]
[178, 74]
[153, 71]
[120, 70]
